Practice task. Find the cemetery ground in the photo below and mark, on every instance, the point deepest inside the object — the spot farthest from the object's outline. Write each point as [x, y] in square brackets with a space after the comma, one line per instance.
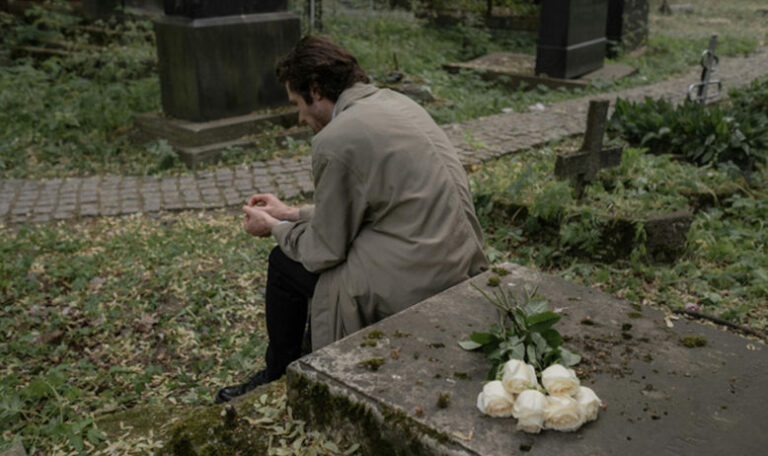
[114, 328]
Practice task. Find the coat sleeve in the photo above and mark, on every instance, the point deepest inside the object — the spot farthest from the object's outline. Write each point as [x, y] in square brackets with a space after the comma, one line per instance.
[322, 241]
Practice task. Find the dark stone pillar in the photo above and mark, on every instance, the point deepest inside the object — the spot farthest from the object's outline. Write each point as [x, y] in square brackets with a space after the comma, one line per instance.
[627, 27]
[571, 37]
[223, 66]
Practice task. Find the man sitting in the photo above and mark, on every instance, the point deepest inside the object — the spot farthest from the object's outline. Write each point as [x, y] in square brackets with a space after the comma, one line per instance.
[393, 221]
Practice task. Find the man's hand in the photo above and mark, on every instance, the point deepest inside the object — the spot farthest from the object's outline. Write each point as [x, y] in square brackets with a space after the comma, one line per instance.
[257, 222]
[272, 205]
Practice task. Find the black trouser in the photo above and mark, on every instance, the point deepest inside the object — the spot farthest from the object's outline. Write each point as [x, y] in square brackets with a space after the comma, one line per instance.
[289, 288]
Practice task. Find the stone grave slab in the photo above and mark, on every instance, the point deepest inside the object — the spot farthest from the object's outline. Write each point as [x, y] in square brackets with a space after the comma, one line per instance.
[380, 386]
[200, 142]
[515, 69]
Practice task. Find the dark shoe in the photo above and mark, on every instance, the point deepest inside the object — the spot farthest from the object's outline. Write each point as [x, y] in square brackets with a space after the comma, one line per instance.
[228, 393]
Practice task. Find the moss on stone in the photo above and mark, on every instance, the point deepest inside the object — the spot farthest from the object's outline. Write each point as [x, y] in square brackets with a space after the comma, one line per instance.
[375, 335]
[498, 270]
[394, 433]
[372, 364]
[221, 429]
[693, 341]
[137, 420]
[443, 400]
[493, 281]
[369, 343]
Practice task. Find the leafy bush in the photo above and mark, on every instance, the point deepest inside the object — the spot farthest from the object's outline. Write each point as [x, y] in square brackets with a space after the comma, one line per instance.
[702, 135]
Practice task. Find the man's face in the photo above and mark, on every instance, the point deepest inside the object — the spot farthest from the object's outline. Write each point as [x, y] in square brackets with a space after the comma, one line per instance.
[316, 115]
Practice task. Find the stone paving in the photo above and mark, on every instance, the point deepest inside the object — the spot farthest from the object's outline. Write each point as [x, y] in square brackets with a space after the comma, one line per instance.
[478, 140]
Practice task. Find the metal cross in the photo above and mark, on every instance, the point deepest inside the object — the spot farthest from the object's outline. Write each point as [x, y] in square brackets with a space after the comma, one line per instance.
[584, 165]
[709, 62]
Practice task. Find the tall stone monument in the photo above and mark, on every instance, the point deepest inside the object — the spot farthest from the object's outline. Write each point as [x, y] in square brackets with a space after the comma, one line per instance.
[627, 27]
[217, 58]
[571, 37]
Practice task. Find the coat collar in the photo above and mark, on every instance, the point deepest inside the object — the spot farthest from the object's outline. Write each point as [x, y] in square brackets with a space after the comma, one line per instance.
[349, 96]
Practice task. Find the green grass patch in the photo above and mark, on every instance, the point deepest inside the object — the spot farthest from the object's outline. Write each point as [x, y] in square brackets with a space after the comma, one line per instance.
[68, 116]
[532, 219]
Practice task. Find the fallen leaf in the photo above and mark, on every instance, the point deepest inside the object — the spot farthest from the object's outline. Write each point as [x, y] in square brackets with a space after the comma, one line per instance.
[52, 338]
[467, 437]
[145, 323]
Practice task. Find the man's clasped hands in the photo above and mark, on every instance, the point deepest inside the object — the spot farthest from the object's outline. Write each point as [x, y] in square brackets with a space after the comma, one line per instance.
[265, 210]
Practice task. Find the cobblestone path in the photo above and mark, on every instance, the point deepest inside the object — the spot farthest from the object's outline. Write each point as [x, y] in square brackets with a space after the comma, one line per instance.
[478, 140]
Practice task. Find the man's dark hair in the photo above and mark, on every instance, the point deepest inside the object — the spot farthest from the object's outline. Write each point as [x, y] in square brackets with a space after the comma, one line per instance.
[320, 64]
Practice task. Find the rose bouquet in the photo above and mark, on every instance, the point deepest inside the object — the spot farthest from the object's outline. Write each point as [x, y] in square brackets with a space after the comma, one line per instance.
[520, 344]
[524, 332]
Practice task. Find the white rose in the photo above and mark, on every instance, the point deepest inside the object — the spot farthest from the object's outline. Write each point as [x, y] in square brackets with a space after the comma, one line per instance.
[589, 403]
[530, 407]
[518, 376]
[559, 380]
[562, 414]
[495, 401]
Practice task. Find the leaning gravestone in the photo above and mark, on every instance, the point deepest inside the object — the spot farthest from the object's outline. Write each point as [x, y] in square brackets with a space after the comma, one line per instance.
[217, 59]
[583, 166]
[571, 37]
[671, 387]
[627, 27]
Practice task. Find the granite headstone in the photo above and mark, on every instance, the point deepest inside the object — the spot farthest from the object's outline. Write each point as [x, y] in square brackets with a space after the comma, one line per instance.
[571, 37]
[223, 66]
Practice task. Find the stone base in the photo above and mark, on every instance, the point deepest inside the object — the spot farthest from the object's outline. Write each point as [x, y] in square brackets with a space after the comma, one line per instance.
[661, 397]
[202, 142]
[516, 69]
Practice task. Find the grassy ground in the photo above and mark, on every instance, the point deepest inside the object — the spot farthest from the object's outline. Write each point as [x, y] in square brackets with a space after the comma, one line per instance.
[72, 116]
[723, 269]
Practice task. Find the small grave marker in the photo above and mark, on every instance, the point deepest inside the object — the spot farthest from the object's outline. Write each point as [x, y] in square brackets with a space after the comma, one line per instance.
[709, 62]
[584, 165]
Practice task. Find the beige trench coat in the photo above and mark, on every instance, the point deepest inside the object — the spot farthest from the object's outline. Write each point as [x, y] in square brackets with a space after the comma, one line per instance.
[393, 221]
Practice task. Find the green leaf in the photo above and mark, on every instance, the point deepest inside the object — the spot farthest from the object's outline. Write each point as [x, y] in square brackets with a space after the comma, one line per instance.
[518, 352]
[95, 436]
[542, 321]
[530, 352]
[569, 358]
[469, 345]
[330, 446]
[482, 338]
[553, 337]
[536, 306]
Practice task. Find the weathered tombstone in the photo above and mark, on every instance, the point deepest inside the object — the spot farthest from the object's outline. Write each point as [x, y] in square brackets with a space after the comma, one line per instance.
[662, 396]
[584, 165]
[217, 60]
[627, 27]
[571, 37]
